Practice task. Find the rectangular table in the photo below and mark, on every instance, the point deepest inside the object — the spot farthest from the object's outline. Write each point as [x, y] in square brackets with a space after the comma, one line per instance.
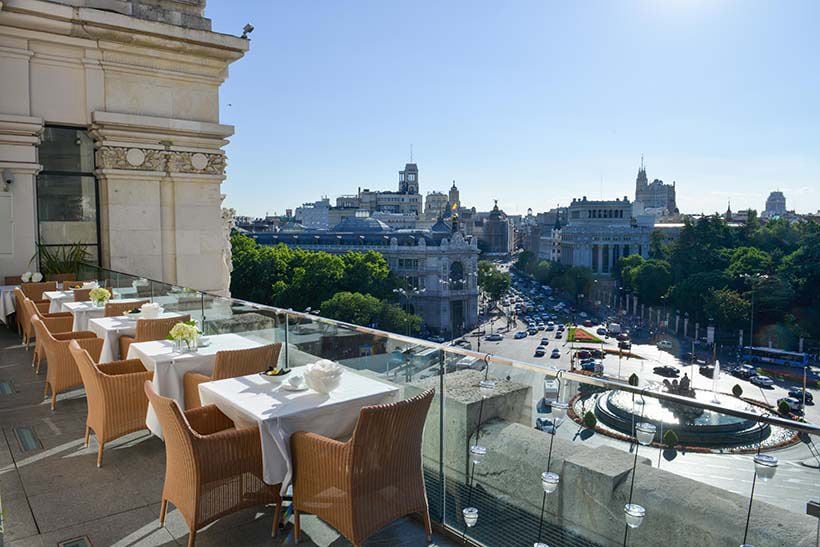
[252, 401]
[83, 311]
[170, 366]
[57, 298]
[111, 328]
[6, 301]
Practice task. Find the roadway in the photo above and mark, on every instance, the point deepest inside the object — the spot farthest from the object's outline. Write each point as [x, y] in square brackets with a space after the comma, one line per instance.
[798, 476]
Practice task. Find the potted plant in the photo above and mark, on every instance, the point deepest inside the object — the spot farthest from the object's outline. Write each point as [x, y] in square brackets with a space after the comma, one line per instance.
[67, 259]
[185, 335]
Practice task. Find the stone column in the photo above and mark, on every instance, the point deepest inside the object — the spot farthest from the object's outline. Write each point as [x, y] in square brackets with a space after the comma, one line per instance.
[160, 200]
[19, 137]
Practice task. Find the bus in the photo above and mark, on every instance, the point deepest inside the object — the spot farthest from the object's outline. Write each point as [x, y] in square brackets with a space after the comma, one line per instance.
[774, 356]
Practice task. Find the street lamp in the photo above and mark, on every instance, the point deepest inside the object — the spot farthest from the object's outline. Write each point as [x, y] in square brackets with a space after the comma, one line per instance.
[753, 280]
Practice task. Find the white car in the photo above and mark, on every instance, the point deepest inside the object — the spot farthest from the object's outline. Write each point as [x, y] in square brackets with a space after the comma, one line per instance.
[664, 344]
[495, 337]
[762, 381]
[794, 404]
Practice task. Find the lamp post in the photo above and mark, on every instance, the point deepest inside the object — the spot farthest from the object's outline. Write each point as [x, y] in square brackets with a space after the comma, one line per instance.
[753, 280]
[634, 513]
[765, 468]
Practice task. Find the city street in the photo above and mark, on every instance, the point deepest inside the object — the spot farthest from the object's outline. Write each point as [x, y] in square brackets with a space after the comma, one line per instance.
[798, 465]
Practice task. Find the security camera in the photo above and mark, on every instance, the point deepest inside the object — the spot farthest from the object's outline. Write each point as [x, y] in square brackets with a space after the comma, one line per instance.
[8, 177]
[247, 29]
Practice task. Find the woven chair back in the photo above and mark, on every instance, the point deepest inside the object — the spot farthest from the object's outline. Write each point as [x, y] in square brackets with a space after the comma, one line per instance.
[241, 362]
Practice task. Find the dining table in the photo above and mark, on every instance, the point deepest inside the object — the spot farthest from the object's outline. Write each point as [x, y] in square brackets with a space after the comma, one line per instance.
[111, 328]
[6, 302]
[83, 311]
[269, 404]
[57, 298]
[170, 365]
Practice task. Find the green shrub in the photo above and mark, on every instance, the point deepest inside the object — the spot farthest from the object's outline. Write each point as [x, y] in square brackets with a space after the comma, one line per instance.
[784, 407]
[590, 420]
[737, 391]
[634, 380]
[670, 438]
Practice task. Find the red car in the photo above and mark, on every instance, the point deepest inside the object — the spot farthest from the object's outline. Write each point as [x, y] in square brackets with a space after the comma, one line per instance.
[588, 323]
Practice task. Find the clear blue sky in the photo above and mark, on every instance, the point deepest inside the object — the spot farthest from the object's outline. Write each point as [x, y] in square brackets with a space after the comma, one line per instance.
[528, 102]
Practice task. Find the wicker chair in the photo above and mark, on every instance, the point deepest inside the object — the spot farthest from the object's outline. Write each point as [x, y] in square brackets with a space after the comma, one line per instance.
[230, 364]
[62, 277]
[62, 374]
[23, 315]
[35, 290]
[13, 280]
[115, 309]
[62, 322]
[150, 329]
[364, 484]
[115, 394]
[82, 295]
[212, 469]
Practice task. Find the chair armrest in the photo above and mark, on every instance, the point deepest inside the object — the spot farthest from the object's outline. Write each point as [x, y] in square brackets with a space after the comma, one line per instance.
[190, 388]
[207, 420]
[320, 465]
[42, 305]
[57, 325]
[126, 366]
[92, 345]
[57, 314]
[78, 335]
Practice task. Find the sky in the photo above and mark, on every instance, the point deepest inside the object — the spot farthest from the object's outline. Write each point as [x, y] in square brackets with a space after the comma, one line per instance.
[530, 102]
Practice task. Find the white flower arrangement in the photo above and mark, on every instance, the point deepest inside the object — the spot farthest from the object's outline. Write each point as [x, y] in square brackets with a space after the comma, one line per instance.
[99, 295]
[36, 277]
[26, 277]
[185, 331]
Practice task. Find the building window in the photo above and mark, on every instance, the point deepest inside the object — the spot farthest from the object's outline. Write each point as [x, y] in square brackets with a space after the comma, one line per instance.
[67, 195]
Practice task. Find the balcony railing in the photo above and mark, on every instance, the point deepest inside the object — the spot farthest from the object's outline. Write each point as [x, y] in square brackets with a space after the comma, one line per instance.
[704, 489]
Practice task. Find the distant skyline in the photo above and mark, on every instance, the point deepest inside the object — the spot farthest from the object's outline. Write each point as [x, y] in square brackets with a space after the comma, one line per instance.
[532, 103]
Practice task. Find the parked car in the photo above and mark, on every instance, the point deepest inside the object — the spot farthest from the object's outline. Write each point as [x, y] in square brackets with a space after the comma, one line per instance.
[795, 405]
[797, 393]
[664, 344]
[588, 323]
[437, 339]
[601, 331]
[762, 381]
[532, 331]
[545, 341]
[667, 370]
[707, 370]
[556, 353]
[583, 354]
[495, 337]
[520, 334]
[622, 337]
[559, 334]
[626, 344]
[464, 344]
[540, 351]
[594, 366]
[744, 371]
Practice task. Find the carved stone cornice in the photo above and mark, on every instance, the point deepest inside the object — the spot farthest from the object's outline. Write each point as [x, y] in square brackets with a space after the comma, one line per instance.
[152, 159]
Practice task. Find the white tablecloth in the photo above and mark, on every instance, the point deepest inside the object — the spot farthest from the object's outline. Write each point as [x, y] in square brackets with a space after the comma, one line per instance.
[6, 301]
[57, 298]
[111, 328]
[170, 366]
[83, 311]
[253, 400]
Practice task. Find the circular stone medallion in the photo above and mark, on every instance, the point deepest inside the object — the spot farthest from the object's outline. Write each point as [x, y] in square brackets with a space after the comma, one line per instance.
[199, 161]
[135, 157]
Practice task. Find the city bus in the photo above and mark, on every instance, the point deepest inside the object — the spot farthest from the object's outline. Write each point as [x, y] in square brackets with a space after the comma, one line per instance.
[774, 356]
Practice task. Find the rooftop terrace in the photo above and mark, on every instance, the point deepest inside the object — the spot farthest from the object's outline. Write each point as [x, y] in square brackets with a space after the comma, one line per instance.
[52, 491]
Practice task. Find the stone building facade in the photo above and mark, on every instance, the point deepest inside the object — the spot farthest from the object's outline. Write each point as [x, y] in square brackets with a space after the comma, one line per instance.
[109, 127]
[438, 267]
[654, 197]
[601, 232]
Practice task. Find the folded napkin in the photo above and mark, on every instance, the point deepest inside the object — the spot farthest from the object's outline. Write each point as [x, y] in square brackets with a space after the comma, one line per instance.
[323, 376]
[151, 310]
[90, 285]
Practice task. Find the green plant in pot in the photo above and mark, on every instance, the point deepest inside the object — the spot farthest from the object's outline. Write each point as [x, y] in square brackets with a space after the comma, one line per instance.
[68, 259]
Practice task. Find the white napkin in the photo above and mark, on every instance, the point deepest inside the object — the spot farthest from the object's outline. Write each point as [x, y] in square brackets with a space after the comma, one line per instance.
[323, 376]
[151, 310]
[90, 285]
